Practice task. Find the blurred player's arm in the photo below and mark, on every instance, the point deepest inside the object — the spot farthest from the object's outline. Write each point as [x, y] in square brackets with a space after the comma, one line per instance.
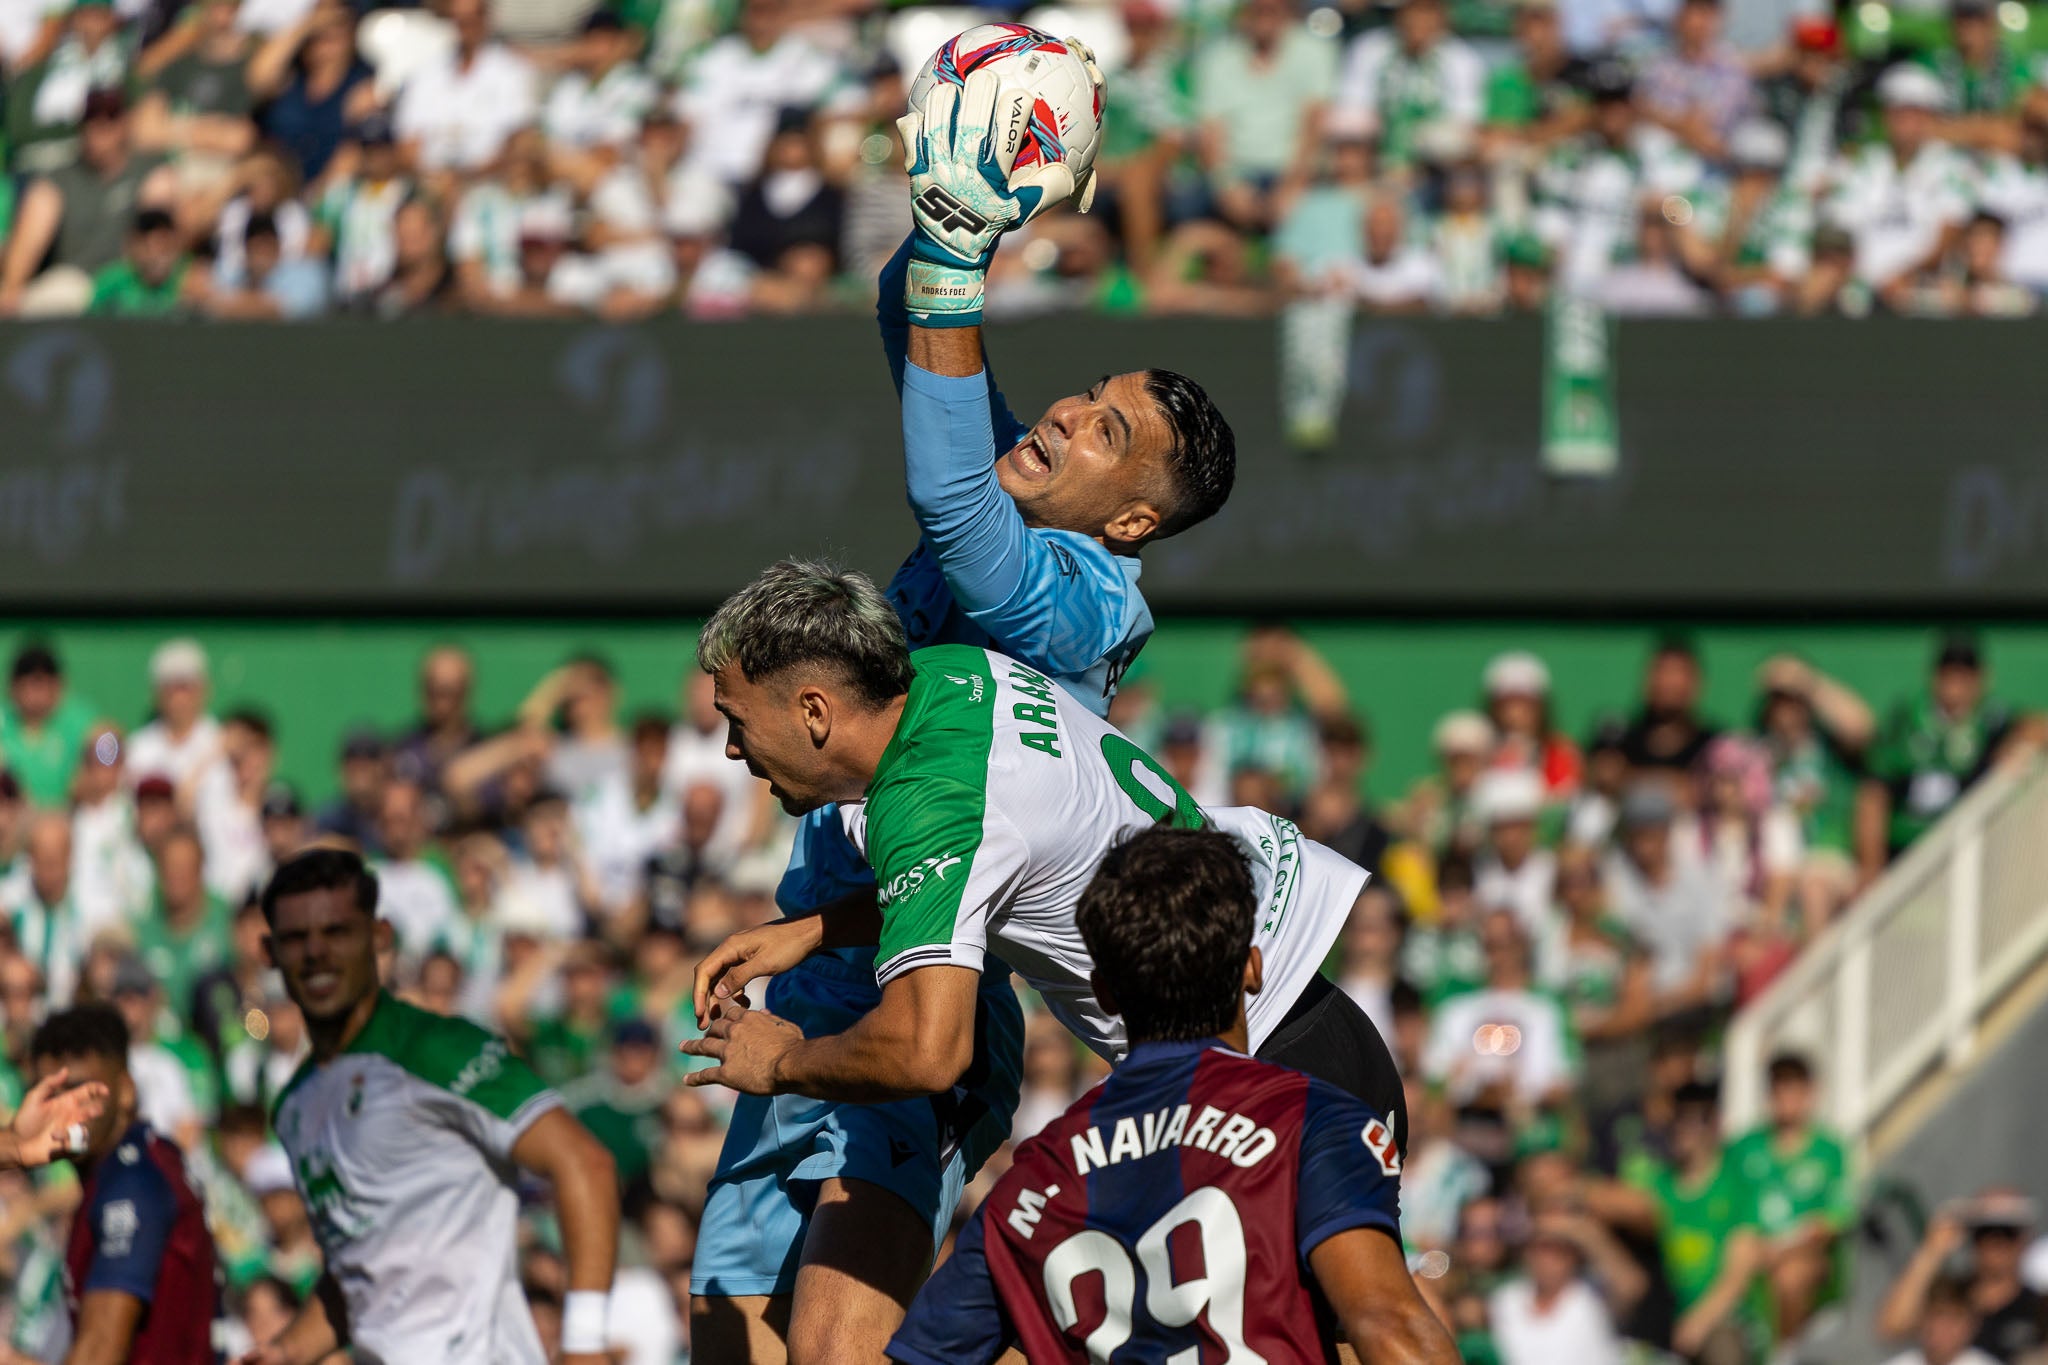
[918, 1041]
[311, 1336]
[586, 1183]
[1365, 1277]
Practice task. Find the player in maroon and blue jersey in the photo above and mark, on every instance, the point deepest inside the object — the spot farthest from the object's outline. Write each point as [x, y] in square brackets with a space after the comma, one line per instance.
[139, 1271]
[1199, 1206]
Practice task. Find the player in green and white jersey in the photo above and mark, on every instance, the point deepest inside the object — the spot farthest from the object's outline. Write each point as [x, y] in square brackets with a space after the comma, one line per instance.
[406, 1133]
[983, 796]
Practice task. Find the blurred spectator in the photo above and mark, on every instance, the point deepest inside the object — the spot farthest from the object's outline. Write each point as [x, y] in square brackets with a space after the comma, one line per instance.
[1652, 281]
[1589, 194]
[1667, 733]
[1469, 241]
[1439, 811]
[1518, 704]
[1751, 234]
[359, 213]
[579, 700]
[1751, 842]
[1538, 95]
[1395, 273]
[1601, 976]
[548, 879]
[112, 878]
[564, 1038]
[1817, 98]
[455, 111]
[152, 280]
[1260, 94]
[1442, 955]
[225, 799]
[48, 101]
[621, 1101]
[414, 891]
[738, 88]
[43, 726]
[1672, 903]
[1590, 818]
[1335, 813]
[2015, 188]
[285, 830]
[1976, 284]
[1143, 144]
[1948, 1328]
[1902, 200]
[696, 753]
[1929, 752]
[273, 287]
[73, 218]
[787, 222]
[1979, 74]
[311, 85]
[1412, 86]
[196, 103]
[181, 737]
[628, 818]
[1990, 1232]
[1550, 1313]
[1705, 1218]
[1284, 688]
[354, 814]
[1514, 871]
[42, 918]
[189, 931]
[445, 725]
[488, 236]
[422, 280]
[1700, 89]
[1506, 1044]
[1805, 1203]
[1052, 1076]
[264, 184]
[598, 104]
[164, 1096]
[1370, 954]
[1439, 1177]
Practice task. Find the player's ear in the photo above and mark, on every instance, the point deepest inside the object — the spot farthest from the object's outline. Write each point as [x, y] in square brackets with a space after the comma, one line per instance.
[1134, 524]
[1254, 971]
[1102, 995]
[269, 953]
[383, 937]
[816, 706]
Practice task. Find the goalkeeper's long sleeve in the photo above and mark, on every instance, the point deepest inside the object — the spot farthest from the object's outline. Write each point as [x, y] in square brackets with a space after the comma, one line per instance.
[1056, 599]
[894, 321]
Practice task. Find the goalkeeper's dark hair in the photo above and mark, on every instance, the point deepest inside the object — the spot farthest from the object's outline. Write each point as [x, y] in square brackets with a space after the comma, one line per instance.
[81, 1031]
[1203, 460]
[808, 614]
[321, 869]
[1168, 922]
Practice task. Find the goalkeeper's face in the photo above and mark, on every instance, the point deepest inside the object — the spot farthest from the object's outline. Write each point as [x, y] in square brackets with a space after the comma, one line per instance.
[1096, 464]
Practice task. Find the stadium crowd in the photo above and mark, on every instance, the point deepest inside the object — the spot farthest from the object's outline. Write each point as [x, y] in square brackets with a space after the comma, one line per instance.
[1557, 933]
[294, 158]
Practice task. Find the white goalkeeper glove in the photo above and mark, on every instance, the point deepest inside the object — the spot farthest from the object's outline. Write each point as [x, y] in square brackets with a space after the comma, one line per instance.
[960, 150]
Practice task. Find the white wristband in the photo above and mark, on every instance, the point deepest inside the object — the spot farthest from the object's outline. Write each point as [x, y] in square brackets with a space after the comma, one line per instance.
[584, 1312]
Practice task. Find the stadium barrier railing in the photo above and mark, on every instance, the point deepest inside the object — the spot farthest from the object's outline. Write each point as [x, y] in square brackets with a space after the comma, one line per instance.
[1900, 987]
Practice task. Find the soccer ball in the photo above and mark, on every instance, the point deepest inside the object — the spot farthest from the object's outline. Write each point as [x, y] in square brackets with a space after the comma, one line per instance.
[1060, 74]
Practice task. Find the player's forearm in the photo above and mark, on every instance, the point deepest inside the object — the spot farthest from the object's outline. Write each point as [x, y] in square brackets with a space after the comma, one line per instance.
[952, 351]
[311, 1336]
[865, 1066]
[587, 1201]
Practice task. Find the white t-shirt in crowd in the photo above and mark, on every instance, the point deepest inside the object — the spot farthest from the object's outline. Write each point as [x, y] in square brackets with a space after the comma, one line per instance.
[231, 833]
[606, 112]
[152, 752]
[1526, 890]
[163, 1096]
[2018, 194]
[1896, 214]
[417, 898]
[547, 895]
[1577, 1328]
[111, 876]
[1409, 276]
[463, 114]
[619, 837]
[735, 94]
[1970, 1356]
[695, 756]
[1532, 1059]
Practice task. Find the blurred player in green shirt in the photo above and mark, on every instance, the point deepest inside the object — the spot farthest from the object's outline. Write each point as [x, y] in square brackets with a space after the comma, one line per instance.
[1805, 1200]
[43, 727]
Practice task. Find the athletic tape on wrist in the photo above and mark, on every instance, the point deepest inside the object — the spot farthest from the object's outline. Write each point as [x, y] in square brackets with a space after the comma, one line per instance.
[584, 1314]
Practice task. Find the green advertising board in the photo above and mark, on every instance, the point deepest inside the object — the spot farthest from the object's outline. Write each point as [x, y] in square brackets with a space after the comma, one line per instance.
[459, 465]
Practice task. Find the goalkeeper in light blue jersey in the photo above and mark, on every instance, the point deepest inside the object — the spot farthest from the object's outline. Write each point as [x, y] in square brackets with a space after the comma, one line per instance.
[822, 1218]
